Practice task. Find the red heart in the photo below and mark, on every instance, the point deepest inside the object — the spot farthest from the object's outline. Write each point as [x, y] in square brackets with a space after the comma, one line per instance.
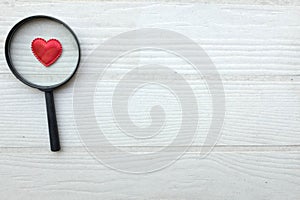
[47, 52]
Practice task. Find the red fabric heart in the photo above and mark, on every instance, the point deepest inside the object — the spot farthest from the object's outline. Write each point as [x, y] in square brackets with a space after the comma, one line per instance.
[47, 52]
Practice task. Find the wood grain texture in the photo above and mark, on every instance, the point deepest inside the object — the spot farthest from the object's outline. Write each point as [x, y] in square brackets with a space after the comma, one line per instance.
[256, 49]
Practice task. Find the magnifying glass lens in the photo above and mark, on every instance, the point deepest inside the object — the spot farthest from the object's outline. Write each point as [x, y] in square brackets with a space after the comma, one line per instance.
[28, 65]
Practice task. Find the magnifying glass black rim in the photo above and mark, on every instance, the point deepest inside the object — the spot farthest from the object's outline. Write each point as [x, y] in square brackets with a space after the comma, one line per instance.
[8, 55]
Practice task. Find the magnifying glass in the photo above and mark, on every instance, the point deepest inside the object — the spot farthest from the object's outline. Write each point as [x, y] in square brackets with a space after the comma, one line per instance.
[43, 53]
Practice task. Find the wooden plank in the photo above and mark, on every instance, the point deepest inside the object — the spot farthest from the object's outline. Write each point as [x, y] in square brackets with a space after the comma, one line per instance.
[257, 113]
[76, 175]
[240, 40]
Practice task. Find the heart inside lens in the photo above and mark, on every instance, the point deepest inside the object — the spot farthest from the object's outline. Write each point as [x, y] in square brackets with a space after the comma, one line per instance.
[47, 52]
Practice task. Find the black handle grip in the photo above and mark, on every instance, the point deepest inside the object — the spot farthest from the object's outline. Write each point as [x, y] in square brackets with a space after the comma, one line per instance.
[52, 123]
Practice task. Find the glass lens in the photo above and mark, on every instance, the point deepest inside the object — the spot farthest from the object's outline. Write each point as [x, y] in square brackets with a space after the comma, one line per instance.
[30, 59]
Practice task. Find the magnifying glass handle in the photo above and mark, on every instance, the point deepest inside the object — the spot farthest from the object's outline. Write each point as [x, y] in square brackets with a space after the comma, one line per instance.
[52, 123]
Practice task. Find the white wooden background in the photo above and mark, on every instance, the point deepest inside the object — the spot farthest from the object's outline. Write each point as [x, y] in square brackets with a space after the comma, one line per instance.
[255, 46]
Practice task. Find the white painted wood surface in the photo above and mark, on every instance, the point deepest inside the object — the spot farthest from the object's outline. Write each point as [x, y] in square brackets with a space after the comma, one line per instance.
[256, 49]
